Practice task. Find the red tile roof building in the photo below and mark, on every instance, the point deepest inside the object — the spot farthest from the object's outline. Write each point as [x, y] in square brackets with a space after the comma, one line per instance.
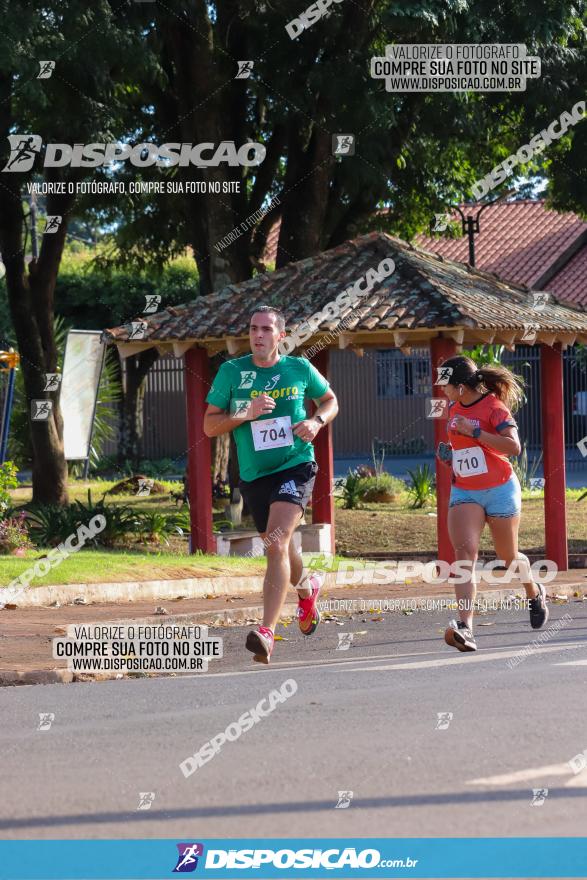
[526, 243]
[522, 242]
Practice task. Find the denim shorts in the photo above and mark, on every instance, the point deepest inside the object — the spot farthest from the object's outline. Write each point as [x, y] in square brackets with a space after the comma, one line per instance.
[503, 501]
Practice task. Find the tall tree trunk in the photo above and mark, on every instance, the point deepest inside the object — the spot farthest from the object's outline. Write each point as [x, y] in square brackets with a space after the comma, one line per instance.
[220, 455]
[201, 71]
[31, 303]
[132, 422]
[307, 182]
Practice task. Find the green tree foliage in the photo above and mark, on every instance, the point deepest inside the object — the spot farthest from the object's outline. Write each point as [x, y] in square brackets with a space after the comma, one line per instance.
[165, 72]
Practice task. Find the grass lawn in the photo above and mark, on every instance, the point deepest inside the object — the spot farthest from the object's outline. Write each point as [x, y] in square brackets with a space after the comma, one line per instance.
[373, 528]
[103, 566]
[78, 491]
[394, 527]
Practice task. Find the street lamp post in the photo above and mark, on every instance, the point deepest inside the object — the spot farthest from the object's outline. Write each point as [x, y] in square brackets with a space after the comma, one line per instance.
[470, 222]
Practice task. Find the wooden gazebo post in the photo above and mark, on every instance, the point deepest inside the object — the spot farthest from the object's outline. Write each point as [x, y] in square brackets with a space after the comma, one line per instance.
[197, 384]
[553, 445]
[440, 349]
[322, 499]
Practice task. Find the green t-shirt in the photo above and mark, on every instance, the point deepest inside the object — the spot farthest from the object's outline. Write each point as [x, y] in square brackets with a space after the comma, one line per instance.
[288, 381]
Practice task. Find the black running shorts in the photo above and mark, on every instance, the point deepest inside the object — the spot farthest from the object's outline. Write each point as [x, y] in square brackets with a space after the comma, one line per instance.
[293, 484]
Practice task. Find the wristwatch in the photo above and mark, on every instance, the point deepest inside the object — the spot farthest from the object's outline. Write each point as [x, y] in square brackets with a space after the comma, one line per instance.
[476, 432]
[320, 419]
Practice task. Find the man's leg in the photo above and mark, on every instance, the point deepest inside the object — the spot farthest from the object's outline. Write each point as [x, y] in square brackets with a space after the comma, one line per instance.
[284, 518]
[296, 565]
[299, 575]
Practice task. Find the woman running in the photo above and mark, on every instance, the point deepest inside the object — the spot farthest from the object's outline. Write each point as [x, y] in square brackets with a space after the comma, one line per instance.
[482, 434]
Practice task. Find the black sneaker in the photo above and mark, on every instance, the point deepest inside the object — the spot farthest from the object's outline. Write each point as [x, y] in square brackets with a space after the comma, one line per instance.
[458, 635]
[538, 610]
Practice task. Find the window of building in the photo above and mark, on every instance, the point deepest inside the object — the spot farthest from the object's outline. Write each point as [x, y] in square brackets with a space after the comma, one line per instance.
[400, 375]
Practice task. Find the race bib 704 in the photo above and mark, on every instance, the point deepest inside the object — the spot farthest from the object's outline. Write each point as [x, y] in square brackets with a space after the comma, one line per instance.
[272, 433]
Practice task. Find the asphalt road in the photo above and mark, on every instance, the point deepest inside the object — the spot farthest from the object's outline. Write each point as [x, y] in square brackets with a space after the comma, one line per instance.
[363, 720]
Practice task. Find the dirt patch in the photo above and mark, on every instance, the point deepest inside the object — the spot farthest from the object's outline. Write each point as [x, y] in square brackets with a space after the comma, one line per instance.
[132, 485]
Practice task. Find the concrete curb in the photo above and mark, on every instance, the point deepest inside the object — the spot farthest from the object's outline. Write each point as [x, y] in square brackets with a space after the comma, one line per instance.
[188, 588]
[136, 591]
[35, 676]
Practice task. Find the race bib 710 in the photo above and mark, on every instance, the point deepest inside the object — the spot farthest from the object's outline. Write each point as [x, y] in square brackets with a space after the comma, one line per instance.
[469, 462]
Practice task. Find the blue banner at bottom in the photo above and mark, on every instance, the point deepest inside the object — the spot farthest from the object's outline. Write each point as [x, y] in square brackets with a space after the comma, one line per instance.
[337, 858]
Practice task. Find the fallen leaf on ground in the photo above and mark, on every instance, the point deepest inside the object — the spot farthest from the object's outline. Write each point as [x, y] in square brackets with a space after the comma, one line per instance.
[280, 639]
[160, 610]
[361, 632]
[486, 623]
[376, 619]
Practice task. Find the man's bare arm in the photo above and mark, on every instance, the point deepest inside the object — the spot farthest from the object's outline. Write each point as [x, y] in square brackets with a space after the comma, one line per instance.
[217, 421]
[327, 406]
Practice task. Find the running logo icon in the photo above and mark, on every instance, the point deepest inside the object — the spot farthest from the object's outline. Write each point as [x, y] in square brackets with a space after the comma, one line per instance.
[152, 302]
[41, 410]
[272, 382]
[343, 145]
[46, 68]
[187, 859]
[241, 408]
[344, 800]
[247, 378]
[46, 719]
[52, 381]
[437, 407]
[245, 69]
[443, 375]
[24, 149]
[440, 223]
[344, 641]
[444, 719]
[52, 223]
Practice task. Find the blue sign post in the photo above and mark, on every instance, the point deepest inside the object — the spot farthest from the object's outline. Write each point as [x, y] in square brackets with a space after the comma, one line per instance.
[8, 361]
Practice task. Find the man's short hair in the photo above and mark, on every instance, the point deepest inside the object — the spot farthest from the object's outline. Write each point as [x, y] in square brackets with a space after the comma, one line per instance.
[279, 316]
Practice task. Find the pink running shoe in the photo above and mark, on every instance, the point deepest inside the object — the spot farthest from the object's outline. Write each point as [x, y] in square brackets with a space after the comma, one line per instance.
[260, 641]
[308, 614]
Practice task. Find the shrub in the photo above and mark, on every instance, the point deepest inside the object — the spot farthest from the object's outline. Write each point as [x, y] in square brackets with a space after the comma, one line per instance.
[350, 490]
[8, 481]
[14, 534]
[50, 524]
[377, 488]
[154, 526]
[525, 474]
[421, 487]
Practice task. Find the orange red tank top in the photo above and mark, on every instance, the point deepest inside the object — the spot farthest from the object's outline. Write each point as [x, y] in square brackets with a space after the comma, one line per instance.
[476, 466]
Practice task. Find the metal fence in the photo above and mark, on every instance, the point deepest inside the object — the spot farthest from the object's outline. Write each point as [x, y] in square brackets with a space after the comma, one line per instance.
[393, 383]
[386, 391]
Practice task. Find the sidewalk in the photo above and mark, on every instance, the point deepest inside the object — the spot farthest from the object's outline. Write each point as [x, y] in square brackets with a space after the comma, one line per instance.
[26, 633]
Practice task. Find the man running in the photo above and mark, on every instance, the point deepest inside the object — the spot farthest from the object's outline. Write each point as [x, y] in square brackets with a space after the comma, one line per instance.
[261, 398]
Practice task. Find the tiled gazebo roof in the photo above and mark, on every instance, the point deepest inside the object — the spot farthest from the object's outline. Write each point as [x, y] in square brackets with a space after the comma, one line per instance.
[425, 295]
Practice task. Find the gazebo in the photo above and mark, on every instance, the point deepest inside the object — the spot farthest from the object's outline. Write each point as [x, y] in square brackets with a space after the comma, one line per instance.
[427, 301]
